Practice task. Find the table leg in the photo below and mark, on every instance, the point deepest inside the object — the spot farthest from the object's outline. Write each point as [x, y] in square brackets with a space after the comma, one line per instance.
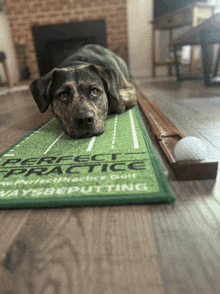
[206, 59]
[153, 52]
[170, 64]
[176, 63]
[217, 62]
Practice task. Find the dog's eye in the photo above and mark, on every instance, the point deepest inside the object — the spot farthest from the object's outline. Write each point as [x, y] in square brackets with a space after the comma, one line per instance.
[94, 91]
[63, 96]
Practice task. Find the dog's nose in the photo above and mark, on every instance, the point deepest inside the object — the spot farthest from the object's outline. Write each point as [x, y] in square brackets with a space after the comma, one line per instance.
[86, 119]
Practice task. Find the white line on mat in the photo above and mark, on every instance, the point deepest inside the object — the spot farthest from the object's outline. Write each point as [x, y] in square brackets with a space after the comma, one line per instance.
[8, 154]
[136, 146]
[114, 133]
[91, 144]
[54, 142]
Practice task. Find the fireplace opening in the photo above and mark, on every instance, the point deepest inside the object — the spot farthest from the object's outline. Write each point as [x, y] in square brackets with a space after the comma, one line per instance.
[54, 43]
[60, 50]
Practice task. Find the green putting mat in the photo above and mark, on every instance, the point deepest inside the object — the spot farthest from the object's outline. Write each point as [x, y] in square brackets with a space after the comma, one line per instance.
[47, 168]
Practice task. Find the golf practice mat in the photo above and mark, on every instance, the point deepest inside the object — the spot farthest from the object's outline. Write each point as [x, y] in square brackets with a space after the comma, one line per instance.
[47, 168]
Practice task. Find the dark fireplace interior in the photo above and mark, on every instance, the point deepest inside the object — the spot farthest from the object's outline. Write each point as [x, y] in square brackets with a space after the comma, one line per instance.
[60, 50]
[56, 42]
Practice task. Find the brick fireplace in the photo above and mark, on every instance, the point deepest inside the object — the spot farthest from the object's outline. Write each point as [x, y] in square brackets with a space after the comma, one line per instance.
[100, 16]
[56, 42]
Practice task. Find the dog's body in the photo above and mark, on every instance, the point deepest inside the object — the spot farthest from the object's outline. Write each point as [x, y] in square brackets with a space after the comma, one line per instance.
[87, 86]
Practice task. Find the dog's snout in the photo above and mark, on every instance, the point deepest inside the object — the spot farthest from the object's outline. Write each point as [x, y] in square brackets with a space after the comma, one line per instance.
[86, 119]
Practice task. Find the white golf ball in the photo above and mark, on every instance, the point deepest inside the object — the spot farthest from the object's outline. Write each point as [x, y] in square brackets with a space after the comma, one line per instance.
[190, 148]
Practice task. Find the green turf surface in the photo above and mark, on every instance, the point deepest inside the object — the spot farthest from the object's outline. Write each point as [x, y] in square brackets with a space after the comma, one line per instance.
[47, 168]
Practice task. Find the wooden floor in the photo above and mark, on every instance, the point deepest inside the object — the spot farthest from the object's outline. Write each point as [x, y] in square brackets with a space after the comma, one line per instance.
[152, 249]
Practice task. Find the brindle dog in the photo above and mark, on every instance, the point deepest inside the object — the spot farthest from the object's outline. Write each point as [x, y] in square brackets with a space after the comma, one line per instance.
[87, 86]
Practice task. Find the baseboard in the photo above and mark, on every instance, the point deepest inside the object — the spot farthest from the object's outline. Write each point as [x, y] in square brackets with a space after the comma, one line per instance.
[161, 71]
[140, 74]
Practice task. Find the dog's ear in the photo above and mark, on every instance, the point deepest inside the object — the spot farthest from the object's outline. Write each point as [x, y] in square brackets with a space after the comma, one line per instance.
[121, 93]
[40, 90]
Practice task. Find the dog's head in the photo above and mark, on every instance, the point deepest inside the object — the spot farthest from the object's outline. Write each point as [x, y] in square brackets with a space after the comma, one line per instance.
[81, 97]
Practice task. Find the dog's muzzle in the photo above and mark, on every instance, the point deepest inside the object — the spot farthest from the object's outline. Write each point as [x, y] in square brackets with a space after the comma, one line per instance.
[84, 120]
[85, 124]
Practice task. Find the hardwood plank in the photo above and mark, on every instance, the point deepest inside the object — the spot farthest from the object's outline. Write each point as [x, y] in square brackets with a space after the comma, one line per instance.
[187, 240]
[11, 223]
[186, 232]
[19, 115]
[83, 250]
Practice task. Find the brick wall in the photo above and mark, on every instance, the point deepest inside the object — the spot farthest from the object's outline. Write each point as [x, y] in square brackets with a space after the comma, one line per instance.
[23, 14]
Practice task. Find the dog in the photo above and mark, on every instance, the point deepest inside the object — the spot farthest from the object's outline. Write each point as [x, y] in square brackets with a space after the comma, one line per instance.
[84, 89]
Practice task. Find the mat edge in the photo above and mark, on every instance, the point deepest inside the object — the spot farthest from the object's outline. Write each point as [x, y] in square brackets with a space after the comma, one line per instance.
[157, 167]
[24, 137]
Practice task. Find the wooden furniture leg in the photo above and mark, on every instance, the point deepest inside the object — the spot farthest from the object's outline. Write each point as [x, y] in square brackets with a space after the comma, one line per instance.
[217, 63]
[206, 58]
[192, 64]
[153, 52]
[170, 64]
[176, 63]
[7, 73]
